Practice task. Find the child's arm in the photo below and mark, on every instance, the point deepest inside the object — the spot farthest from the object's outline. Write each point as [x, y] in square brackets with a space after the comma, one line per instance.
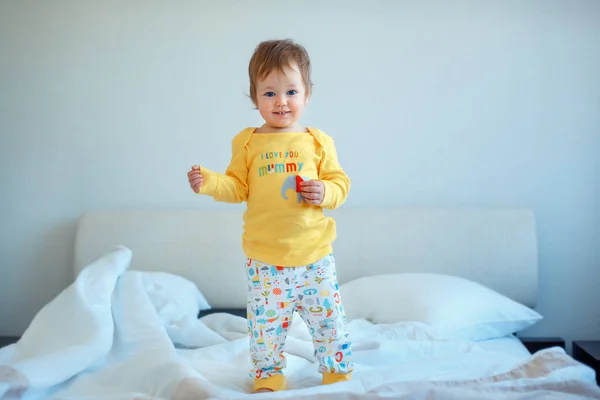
[335, 181]
[231, 187]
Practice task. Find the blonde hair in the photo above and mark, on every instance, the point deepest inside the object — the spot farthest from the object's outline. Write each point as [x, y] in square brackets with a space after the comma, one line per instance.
[278, 54]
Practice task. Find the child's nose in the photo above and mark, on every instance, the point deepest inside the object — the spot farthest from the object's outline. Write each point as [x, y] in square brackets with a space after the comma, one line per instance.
[280, 101]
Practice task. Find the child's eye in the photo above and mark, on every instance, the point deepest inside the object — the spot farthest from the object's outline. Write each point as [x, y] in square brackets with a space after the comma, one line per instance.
[270, 94]
[292, 92]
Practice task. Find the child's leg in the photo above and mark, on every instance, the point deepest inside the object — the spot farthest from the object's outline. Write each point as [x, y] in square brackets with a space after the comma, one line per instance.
[321, 308]
[270, 307]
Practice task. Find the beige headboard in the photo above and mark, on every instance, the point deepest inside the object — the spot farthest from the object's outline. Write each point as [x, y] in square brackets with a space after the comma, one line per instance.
[497, 248]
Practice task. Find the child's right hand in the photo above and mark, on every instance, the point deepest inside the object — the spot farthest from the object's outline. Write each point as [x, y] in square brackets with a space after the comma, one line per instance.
[195, 178]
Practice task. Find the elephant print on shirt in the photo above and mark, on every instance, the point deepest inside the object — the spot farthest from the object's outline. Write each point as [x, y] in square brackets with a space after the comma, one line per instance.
[290, 184]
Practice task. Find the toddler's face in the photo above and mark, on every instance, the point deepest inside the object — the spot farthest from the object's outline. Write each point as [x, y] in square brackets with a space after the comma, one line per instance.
[281, 98]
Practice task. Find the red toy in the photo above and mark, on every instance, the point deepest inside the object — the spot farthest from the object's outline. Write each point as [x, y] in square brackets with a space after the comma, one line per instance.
[298, 180]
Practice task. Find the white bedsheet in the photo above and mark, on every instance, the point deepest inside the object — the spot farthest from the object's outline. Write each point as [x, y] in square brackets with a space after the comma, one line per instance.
[102, 338]
[508, 345]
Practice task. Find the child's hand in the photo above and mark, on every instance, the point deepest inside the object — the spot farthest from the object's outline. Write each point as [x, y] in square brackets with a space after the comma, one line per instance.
[313, 191]
[195, 178]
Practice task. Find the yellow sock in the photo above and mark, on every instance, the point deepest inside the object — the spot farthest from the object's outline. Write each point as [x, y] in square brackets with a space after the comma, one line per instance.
[274, 383]
[329, 378]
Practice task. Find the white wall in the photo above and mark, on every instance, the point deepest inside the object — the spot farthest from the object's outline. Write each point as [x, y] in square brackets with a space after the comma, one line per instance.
[478, 103]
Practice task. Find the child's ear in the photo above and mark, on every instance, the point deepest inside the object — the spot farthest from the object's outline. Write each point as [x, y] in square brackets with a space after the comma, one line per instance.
[308, 96]
[253, 102]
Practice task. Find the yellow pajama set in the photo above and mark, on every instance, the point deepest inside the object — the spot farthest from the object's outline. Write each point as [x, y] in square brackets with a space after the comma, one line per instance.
[288, 245]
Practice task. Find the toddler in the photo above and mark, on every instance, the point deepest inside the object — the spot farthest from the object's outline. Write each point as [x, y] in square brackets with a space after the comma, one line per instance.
[287, 174]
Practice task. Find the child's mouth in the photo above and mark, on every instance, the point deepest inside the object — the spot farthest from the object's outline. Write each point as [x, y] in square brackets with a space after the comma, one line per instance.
[281, 112]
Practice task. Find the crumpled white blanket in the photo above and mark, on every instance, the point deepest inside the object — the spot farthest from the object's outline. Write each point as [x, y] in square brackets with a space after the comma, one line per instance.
[105, 338]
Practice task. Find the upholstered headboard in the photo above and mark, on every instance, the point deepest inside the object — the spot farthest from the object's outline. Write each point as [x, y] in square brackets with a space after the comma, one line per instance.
[497, 248]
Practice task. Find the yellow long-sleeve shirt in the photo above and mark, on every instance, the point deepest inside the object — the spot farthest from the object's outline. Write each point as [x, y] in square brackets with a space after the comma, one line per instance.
[280, 228]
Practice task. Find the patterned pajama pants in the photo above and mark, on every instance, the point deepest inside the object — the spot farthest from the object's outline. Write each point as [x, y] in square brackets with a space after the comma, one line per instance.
[274, 293]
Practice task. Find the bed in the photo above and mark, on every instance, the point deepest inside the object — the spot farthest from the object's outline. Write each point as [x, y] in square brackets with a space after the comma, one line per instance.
[434, 298]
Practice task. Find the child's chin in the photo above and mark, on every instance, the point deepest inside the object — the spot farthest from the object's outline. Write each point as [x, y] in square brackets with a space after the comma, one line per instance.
[283, 125]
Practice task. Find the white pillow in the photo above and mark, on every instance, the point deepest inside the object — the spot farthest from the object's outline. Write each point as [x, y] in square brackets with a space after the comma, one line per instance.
[174, 296]
[456, 308]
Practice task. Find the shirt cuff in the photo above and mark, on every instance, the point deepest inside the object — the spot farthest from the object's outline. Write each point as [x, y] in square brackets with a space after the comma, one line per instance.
[327, 196]
[211, 181]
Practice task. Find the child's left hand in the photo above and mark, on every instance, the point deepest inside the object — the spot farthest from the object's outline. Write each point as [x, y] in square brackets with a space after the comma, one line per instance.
[313, 191]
